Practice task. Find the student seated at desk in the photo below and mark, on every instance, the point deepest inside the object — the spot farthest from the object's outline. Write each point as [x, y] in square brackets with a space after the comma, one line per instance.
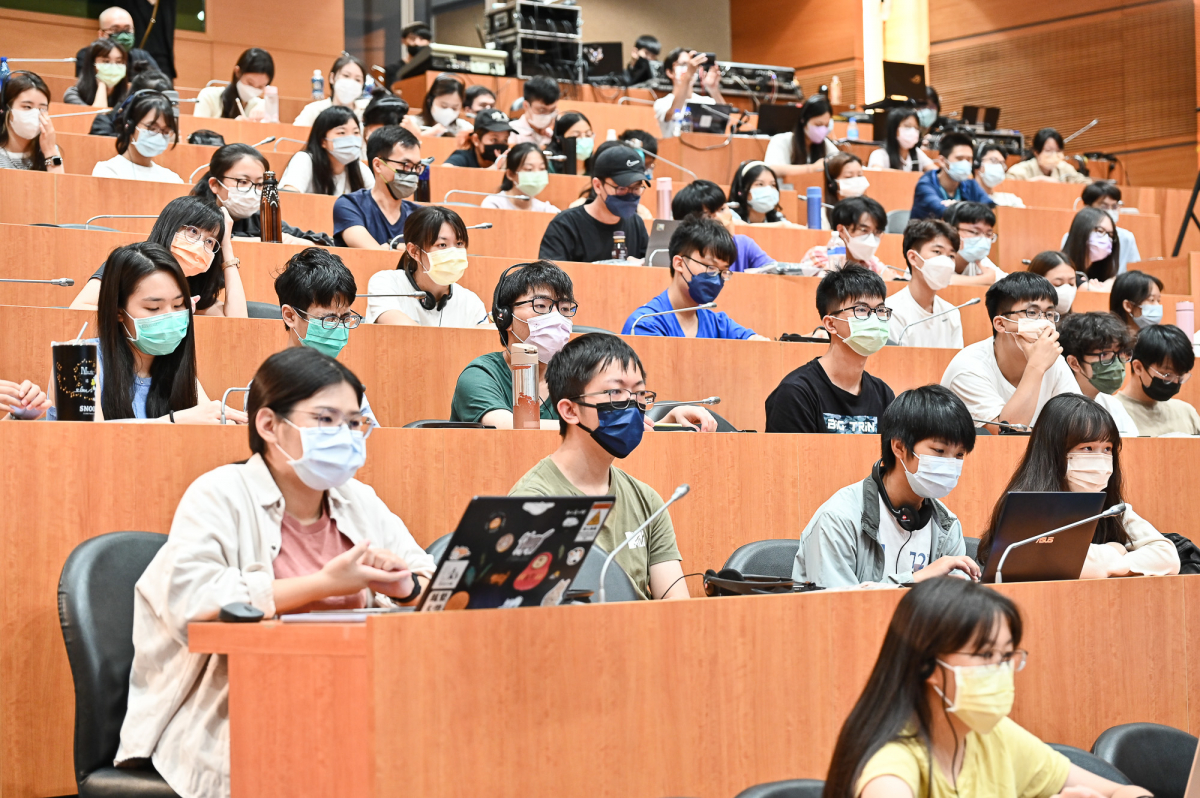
[441, 115]
[706, 199]
[1096, 347]
[371, 217]
[434, 260]
[929, 248]
[834, 393]
[383, 109]
[1048, 164]
[141, 80]
[22, 401]
[315, 291]
[975, 224]
[487, 142]
[1075, 446]
[116, 24]
[859, 223]
[571, 125]
[1093, 247]
[254, 71]
[538, 122]
[991, 161]
[642, 61]
[478, 98]
[682, 66]
[147, 127]
[1136, 299]
[1058, 269]
[890, 527]
[901, 144]
[598, 386]
[844, 179]
[104, 77]
[585, 233]
[1010, 376]
[290, 530]
[27, 135]
[589, 193]
[701, 251]
[197, 233]
[805, 149]
[234, 182]
[1106, 195]
[525, 176]
[346, 79]
[933, 717]
[329, 163]
[754, 193]
[949, 183]
[1162, 362]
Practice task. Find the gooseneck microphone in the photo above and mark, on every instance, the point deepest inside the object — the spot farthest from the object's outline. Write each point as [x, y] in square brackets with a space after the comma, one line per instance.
[705, 306]
[974, 301]
[267, 140]
[1004, 425]
[480, 226]
[658, 158]
[64, 281]
[712, 400]
[1116, 509]
[416, 295]
[630, 537]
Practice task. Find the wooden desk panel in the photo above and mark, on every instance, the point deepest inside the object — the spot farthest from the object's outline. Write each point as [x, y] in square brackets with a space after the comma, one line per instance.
[561, 192]
[717, 164]
[82, 152]
[1024, 232]
[606, 116]
[788, 244]
[894, 190]
[80, 197]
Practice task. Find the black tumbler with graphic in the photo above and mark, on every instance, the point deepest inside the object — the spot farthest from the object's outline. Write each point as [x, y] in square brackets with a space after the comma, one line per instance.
[75, 381]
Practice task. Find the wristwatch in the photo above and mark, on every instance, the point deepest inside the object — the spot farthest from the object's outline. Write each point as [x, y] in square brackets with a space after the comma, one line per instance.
[235, 263]
[54, 160]
[416, 591]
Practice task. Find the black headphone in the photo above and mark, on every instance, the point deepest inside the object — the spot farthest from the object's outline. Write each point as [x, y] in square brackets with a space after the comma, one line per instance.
[426, 299]
[908, 518]
[502, 315]
[119, 114]
[731, 582]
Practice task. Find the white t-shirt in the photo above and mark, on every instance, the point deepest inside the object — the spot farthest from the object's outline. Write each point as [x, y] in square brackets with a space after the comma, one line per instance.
[208, 103]
[779, 150]
[881, 160]
[944, 331]
[298, 176]
[504, 203]
[309, 113]
[1113, 405]
[913, 549]
[663, 104]
[976, 268]
[463, 309]
[974, 375]
[125, 169]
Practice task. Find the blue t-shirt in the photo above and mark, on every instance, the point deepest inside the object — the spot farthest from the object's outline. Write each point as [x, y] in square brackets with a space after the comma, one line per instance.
[712, 323]
[359, 208]
[749, 255]
[928, 196]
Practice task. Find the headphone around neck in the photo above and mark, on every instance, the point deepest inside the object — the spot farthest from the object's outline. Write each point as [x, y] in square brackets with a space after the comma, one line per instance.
[908, 518]
[427, 301]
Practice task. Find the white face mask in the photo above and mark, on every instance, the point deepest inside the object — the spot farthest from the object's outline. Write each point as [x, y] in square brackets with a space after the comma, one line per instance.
[331, 458]
[935, 477]
[937, 270]
[347, 90]
[853, 186]
[1089, 472]
[1066, 295]
[241, 204]
[992, 174]
[442, 115]
[24, 122]
[541, 121]
[907, 137]
[862, 248]
[1113, 214]
[764, 199]
[248, 93]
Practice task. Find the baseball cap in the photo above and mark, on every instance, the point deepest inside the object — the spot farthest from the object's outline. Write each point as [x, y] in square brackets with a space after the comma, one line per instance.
[622, 165]
[492, 121]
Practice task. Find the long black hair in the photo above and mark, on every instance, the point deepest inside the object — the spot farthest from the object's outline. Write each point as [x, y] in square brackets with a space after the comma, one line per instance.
[17, 84]
[1087, 220]
[86, 85]
[803, 150]
[442, 85]
[937, 617]
[136, 107]
[892, 144]
[342, 61]
[289, 377]
[423, 226]
[516, 159]
[1066, 421]
[564, 123]
[1135, 286]
[173, 376]
[322, 167]
[252, 61]
[184, 211]
[219, 165]
[739, 190]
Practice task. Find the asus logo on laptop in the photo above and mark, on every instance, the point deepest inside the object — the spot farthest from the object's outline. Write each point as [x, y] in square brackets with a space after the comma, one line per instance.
[1046, 540]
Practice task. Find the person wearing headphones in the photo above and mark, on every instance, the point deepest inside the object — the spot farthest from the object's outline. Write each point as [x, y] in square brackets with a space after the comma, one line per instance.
[891, 528]
[149, 126]
[434, 260]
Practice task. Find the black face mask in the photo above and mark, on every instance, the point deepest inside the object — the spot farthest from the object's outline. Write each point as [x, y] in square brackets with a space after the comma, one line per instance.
[1161, 391]
[492, 151]
[413, 49]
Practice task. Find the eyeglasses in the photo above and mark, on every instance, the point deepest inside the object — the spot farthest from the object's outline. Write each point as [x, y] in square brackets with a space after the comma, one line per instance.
[619, 398]
[111, 31]
[856, 230]
[1169, 378]
[1106, 358]
[328, 418]
[333, 321]
[862, 312]
[194, 234]
[405, 166]
[1103, 232]
[1035, 313]
[162, 131]
[637, 188]
[1015, 659]
[243, 184]
[717, 270]
[972, 234]
[544, 304]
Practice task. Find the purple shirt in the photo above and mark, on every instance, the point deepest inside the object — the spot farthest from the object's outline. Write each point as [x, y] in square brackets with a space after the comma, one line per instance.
[749, 254]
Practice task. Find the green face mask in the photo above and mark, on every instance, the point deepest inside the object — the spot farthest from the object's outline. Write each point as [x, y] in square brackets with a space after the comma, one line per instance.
[161, 334]
[867, 336]
[124, 38]
[1108, 379]
[326, 341]
[532, 183]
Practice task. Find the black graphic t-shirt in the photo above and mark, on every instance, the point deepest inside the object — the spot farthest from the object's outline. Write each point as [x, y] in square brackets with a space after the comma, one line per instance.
[807, 401]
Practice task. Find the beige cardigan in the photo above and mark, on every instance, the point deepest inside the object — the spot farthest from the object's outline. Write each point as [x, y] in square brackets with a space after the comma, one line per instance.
[1063, 172]
[1148, 552]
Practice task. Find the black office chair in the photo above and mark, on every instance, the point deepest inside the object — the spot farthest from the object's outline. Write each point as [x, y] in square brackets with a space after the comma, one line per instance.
[656, 413]
[438, 547]
[263, 310]
[436, 423]
[972, 548]
[95, 609]
[1091, 763]
[788, 788]
[765, 558]
[1156, 757]
[582, 329]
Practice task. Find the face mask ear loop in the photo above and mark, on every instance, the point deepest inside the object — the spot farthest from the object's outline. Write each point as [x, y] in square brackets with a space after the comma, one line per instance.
[946, 714]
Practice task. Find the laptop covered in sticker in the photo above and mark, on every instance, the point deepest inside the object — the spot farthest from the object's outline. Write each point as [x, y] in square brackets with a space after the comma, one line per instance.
[515, 551]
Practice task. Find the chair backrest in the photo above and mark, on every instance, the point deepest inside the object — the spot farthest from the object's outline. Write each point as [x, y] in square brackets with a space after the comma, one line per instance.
[765, 557]
[617, 584]
[1156, 757]
[437, 423]
[263, 310]
[656, 413]
[1091, 763]
[583, 329]
[95, 608]
[972, 547]
[898, 220]
[438, 547]
[788, 788]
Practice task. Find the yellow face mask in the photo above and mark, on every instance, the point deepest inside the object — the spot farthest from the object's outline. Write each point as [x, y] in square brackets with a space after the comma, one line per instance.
[983, 694]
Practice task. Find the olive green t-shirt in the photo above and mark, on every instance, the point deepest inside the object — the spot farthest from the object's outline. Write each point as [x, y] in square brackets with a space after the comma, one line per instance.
[486, 385]
[635, 502]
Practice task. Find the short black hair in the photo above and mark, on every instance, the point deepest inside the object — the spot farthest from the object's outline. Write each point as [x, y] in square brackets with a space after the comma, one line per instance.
[849, 211]
[955, 139]
[516, 282]
[673, 56]
[418, 28]
[577, 363]
[423, 226]
[543, 88]
[984, 147]
[1161, 344]
[646, 140]
[1100, 189]
[289, 377]
[1083, 333]
[850, 282]
[1017, 287]
[920, 231]
[315, 276]
[1134, 286]
[648, 42]
[969, 213]
[699, 197]
[384, 109]
[1047, 134]
[384, 140]
[699, 235]
[475, 91]
[920, 414]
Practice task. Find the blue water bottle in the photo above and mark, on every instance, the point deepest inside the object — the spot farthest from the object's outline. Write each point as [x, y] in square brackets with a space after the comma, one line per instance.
[4, 72]
[813, 195]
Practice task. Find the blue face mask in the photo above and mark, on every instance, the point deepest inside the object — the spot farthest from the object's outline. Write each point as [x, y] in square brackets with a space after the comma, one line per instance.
[619, 431]
[975, 249]
[705, 287]
[959, 170]
[1151, 315]
[625, 207]
[926, 116]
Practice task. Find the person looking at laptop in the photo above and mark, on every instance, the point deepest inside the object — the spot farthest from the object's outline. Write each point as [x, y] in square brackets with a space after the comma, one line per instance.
[890, 527]
[1075, 446]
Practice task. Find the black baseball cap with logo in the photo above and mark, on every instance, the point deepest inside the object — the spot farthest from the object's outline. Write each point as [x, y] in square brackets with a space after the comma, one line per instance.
[623, 165]
[490, 120]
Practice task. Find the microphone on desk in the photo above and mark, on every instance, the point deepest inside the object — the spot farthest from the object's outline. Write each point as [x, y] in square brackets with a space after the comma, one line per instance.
[973, 301]
[284, 138]
[267, 140]
[630, 537]
[1116, 509]
[1013, 427]
[415, 295]
[712, 400]
[705, 306]
[1081, 130]
[65, 281]
[480, 226]
[88, 223]
[684, 169]
[446, 196]
[91, 112]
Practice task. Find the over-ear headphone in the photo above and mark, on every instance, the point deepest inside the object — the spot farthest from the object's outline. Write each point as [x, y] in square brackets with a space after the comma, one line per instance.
[426, 299]
[502, 315]
[908, 518]
[731, 582]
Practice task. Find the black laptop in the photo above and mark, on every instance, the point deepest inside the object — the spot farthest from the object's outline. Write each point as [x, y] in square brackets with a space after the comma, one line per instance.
[988, 117]
[603, 59]
[1061, 556]
[708, 118]
[658, 247]
[777, 118]
[904, 80]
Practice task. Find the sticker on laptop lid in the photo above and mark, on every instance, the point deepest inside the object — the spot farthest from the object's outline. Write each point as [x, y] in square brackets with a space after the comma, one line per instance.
[555, 595]
[595, 520]
[459, 552]
[449, 574]
[537, 508]
[575, 555]
[458, 601]
[534, 573]
[495, 523]
[529, 543]
[505, 542]
[515, 601]
[436, 601]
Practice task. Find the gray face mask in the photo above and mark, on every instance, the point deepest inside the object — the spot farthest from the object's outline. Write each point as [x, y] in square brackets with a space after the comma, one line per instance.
[403, 184]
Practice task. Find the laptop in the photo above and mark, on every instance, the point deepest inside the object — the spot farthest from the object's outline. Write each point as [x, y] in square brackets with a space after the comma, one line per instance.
[603, 59]
[710, 118]
[515, 551]
[988, 117]
[778, 118]
[1024, 515]
[1193, 785]
[904, 80]
[657, 249]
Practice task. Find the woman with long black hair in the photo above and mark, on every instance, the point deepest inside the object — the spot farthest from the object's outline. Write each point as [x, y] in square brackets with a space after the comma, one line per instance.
[902, 144]
[254, 71]
[103, 77]
[805, 148]
[330, 161]
[1093, 246]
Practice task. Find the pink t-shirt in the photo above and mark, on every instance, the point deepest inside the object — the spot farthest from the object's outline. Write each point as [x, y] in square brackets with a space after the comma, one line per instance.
[305, 550]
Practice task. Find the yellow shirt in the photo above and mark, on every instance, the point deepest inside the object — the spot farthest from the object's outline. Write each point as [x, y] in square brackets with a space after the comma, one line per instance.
[1007, 763]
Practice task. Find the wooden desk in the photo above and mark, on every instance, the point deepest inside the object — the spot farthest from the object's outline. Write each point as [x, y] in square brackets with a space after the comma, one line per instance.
[893, 190]
[232, 130]
[717, 164]
[81, 153]
[1024, 232]
[678, 692]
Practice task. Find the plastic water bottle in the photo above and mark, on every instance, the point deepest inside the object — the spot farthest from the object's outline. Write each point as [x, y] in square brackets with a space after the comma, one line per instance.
[612, 134]
[677, 122]
[687, 120]
[4, 72]
[318, 84]
[852, 129]
[835, 250]
[1185, 317]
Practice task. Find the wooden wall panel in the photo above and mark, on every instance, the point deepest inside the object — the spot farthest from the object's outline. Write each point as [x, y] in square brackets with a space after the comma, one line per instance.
[803, 33]
[957, 19]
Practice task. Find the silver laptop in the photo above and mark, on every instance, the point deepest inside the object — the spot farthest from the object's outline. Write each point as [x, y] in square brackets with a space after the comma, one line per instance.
[658, 248]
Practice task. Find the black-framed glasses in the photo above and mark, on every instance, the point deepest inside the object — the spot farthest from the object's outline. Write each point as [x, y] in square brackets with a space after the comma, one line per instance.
[1036, 313]
[637, 188]
[1106, 358]
[1103, 232]
[333, 321]
[717, 270]
[243, 184]
[862, 312]
[1170, 378]
[194, 234]
[544, 304]
[328, 418]
[619, 399]
[965, 234]
[405, 166]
